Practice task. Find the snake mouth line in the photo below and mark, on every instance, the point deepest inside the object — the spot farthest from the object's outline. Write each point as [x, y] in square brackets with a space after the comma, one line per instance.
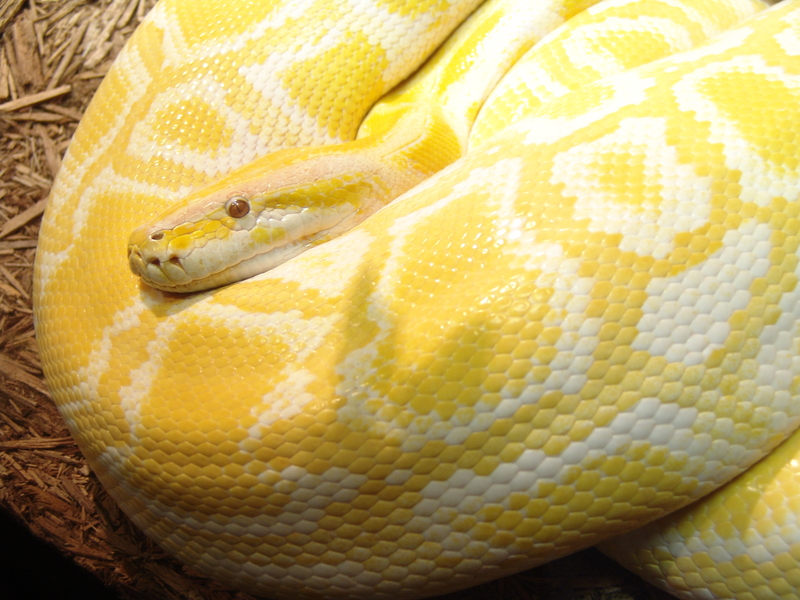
[164, 274]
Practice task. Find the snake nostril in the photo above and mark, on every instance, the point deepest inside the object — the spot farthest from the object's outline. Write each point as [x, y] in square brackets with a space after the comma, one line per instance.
[175, 260]
[157, 235]
[153, 261]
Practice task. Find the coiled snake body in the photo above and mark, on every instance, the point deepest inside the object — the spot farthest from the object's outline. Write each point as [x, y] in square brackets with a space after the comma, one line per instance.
[587, 321]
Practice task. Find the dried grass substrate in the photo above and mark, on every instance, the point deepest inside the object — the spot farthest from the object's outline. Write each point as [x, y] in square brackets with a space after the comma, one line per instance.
[53, 55]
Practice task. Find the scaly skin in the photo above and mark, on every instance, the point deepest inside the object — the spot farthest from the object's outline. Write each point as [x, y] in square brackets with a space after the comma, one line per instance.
[742, 541]
[584, 323]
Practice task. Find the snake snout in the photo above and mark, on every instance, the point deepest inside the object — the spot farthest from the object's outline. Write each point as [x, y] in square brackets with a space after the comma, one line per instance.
[149, 256]
[138, 260]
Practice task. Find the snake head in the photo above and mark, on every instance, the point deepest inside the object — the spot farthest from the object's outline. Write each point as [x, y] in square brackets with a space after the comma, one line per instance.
[261, 215]
[198, 245]
[213, 239]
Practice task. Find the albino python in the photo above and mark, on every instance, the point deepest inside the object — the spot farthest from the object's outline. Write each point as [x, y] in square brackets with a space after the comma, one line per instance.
[585, 322]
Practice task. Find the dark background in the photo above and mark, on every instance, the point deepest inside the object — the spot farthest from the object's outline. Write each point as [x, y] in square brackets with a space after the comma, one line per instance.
[33, 570]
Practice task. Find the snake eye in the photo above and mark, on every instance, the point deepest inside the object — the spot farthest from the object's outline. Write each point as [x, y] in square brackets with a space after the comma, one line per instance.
[237, 207]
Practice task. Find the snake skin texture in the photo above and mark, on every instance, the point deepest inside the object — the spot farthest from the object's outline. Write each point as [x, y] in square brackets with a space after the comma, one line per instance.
[741, 542]
[585, 323]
